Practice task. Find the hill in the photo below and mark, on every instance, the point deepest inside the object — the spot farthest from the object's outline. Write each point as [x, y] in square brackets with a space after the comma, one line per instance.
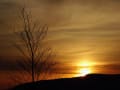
[90, 82]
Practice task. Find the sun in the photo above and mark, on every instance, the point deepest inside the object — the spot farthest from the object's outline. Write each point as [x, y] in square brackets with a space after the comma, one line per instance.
[85, 68]
[84, 71]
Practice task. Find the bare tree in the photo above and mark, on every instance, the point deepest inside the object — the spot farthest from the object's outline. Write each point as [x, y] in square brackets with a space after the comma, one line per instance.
[38, 57]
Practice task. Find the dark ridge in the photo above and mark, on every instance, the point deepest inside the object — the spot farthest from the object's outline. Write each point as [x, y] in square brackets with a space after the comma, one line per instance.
[90, 82]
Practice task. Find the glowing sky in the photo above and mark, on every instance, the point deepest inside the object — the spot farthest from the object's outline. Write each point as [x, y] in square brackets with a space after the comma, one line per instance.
[78, 29]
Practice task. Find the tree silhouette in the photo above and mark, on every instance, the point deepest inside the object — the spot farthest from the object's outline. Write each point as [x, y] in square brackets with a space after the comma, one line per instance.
[38, 57]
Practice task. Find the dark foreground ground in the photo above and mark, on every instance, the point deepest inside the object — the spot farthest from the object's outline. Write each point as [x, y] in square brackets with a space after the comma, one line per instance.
[90, 82]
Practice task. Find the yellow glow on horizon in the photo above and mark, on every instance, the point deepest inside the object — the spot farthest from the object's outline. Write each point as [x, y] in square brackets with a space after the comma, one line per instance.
[86, 63]
[84, 71]
[85, 68]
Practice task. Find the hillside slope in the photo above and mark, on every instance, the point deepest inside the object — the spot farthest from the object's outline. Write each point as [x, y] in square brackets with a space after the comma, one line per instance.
[90, 82]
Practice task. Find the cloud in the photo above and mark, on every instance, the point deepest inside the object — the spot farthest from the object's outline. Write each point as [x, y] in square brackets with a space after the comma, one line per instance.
[75, 25]
[51, 1]
[108, 68]
[6, 64]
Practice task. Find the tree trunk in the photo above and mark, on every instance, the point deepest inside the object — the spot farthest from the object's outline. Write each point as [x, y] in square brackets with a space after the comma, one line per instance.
[33, 71]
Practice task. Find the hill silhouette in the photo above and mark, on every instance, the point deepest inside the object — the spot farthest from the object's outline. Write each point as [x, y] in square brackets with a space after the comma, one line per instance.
[90, 82]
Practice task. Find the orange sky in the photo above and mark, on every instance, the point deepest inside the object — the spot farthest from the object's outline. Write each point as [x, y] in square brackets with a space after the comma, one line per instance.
[79, 30]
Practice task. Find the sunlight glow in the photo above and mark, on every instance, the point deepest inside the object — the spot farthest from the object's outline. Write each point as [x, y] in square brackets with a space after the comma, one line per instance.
[84, 68]
[86, 64]
[84, 71]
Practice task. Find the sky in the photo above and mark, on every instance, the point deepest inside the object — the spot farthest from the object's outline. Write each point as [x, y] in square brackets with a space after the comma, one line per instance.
[79, 30]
